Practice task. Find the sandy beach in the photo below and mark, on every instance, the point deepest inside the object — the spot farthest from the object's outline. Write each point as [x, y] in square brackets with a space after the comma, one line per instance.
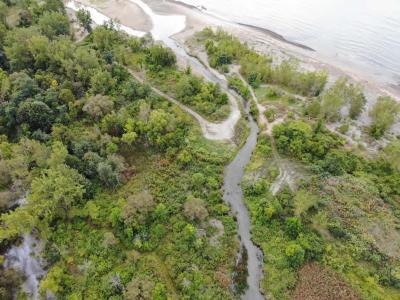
[123, 11]
[269, 42]
[128, 13]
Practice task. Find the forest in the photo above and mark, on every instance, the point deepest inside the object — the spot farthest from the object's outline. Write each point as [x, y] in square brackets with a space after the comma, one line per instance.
[121, 188]
[125, 195]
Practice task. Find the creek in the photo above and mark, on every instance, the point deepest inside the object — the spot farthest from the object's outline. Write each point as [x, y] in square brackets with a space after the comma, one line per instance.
[23, 257]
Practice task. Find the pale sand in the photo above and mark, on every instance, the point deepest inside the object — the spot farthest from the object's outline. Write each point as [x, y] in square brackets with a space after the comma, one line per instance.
[131, 15]
[271, 43]
[123, 11]
[260, 40]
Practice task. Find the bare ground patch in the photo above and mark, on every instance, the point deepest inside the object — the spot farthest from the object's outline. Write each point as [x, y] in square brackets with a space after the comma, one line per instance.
[316, 283]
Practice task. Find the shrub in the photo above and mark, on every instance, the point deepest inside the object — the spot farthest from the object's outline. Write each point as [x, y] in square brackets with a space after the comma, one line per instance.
[295, 254]
[293, 227]
[160, 57]
[195, 209]
[53, 24]
[383, 115]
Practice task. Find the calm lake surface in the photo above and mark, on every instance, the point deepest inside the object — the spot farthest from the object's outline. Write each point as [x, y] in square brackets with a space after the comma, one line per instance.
[364, 34]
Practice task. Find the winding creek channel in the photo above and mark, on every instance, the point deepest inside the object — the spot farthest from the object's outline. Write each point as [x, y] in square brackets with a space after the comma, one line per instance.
[234, 171]
[233, 195]
[21, 256]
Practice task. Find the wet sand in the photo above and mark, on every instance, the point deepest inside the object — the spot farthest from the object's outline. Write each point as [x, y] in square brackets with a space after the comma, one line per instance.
[124, 11]
[269, 42]
[265, 41]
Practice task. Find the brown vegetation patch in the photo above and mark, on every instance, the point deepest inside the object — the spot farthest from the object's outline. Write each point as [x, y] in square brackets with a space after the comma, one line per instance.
[316, 282]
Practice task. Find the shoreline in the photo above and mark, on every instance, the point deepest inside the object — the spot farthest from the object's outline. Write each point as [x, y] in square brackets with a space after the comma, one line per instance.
[276, 36]
[270, 42]
[123, 11]
[195, 19]
[266, 31]
[261, 39]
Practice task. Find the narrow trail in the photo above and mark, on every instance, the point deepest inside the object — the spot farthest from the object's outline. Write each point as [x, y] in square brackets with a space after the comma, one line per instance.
[212, 131]
[262, 119]
[286, 171]
[164, 27]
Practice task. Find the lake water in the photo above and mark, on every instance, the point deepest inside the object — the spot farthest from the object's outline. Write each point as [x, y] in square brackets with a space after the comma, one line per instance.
[361, 33]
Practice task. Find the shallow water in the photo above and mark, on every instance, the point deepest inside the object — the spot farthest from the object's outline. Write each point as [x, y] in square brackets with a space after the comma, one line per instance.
[364, 34]
[22, 257]
[234, 196]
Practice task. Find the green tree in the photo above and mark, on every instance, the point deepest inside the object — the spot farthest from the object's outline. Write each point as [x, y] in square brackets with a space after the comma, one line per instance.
[159, 292]
[53, 5]
[333, 100]
[5, 85]
[84, 19]
[18, 44]
[339, 162]
[293, 227]
[5, 174]
[91, 161]
[102, 83]
[56, 192]
[36, 114]
[160, 57]
[391, 153]
[110, 170]
[295, 254]
[3, 12]
[357, 100]
[129, 135]
[383, 114]
[23, 87]
[98, 106]
[160, 123]
[53, 24]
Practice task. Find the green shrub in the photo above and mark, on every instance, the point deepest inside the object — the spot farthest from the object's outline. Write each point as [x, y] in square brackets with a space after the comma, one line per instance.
[293, 227]
[270, 114]
[295, 255]
[383, 115]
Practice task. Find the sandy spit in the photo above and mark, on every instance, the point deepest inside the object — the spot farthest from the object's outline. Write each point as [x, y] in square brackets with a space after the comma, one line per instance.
[123, 11]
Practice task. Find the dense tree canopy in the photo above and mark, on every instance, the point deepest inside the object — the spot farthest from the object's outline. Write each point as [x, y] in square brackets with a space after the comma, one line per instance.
[106, 164]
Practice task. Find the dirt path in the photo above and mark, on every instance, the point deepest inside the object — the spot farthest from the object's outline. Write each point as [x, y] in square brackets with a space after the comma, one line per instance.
[211, 131]
[262, 119]
[162, 31]
[287, 174]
